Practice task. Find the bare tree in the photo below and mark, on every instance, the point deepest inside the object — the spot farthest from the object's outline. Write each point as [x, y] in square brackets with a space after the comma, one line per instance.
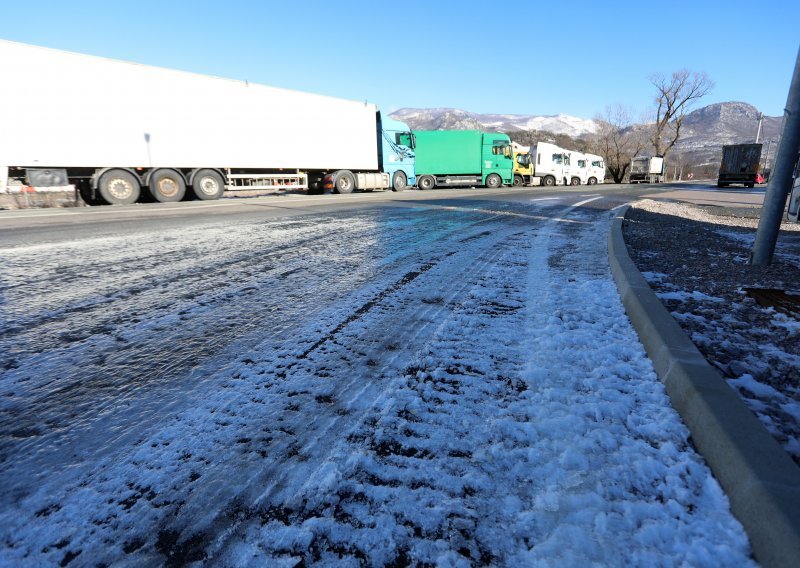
[617, 140]
[675, 96]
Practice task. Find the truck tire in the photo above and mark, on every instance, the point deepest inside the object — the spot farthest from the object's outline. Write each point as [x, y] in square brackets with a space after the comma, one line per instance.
[575, 181]
[518, 181]
[119, 187]
[426, 182]
[493, 181]
[344, 182]
[207, 185]
[591, 181]
[399, 181]
[751, 184]
[167, 186]
[549, 181]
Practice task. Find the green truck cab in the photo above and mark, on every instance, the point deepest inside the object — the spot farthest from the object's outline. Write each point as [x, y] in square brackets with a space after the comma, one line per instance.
[446, 158]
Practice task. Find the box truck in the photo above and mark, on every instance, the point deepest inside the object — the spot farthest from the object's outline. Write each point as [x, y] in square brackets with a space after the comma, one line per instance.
[740, 164]
[462, 157]
[117, 129]
[647, 169]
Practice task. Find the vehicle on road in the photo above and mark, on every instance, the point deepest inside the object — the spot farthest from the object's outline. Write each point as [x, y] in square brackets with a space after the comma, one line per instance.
[119, 131]
[597, 169]
[543, 164]
[579, 171]
[647, 169]
[447, 158]
[740, 165]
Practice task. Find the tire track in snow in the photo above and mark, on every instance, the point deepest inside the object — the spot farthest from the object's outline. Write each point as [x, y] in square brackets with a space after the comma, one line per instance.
[153, 492]
[553, 446]
[56, 402]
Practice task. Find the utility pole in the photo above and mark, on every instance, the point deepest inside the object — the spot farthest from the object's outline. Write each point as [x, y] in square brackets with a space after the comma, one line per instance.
[758, 132]
[766, 156]
[780, 179]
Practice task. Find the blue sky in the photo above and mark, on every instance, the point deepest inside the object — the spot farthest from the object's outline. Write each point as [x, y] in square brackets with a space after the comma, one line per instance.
[524, 57]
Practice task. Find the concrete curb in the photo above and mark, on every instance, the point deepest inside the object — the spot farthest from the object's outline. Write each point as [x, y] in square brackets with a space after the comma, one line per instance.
[759, 478]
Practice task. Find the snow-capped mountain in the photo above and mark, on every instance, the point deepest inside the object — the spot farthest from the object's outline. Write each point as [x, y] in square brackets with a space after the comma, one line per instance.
[457, 119]
[703, 133]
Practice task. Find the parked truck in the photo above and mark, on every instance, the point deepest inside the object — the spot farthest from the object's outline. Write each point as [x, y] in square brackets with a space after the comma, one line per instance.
[597, 169]
[740, 164]
[118, 130]
[647, 169]
[579, 172]
[543, 164]
[446, 158]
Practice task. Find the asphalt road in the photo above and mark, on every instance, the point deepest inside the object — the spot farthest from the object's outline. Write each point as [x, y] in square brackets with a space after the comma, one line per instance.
[26, 226]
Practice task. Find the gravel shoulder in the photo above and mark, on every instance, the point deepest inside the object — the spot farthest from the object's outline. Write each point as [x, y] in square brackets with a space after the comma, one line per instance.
[696, 260]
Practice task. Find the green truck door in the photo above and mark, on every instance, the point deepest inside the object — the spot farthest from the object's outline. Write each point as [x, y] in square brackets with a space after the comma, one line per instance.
[498, 158]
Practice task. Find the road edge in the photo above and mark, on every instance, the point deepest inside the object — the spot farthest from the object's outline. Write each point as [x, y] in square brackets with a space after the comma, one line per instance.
[760, 479]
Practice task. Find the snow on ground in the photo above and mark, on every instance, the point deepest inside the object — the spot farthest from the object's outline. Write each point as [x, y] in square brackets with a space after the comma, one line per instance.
[701, 278]
[471, 393]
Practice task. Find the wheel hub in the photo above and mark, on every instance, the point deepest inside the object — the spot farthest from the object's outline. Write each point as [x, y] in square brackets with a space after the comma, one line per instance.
[167, 187]
[120, 188]
[208, 185]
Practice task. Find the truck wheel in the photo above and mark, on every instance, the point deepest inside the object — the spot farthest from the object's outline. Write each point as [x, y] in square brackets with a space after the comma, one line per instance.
[207, 185]
[751, 185]
[426, 182]
[518, 181]
[399, 181]
[343, 182]
[118, 187]
[575, 181]
[549, 181]
[493, 181]
[167, 186]
[592, 181]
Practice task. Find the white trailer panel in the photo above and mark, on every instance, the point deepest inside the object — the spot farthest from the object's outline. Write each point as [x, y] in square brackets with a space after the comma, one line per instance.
[62, 109]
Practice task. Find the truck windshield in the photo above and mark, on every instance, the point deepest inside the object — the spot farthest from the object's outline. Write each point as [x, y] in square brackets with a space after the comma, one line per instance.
[500, 148]
[524, 159]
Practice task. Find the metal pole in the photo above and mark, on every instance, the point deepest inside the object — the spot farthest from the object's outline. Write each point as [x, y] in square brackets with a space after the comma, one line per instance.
[766, 156]
[780, 180]
[758, 132]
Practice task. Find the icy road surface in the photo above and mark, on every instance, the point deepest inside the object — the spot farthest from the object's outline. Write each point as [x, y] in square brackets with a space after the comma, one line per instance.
[451, 384]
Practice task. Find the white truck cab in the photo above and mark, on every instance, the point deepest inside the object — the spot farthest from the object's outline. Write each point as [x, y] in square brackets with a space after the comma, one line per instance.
[597, 169]
[551, 164]
[579, 170]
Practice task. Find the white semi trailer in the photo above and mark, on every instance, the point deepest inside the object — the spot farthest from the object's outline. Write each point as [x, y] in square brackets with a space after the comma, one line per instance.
[116, 129]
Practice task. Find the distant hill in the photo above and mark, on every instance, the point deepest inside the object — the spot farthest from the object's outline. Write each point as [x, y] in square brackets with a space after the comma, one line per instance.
[457, 119]
[704, 131]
